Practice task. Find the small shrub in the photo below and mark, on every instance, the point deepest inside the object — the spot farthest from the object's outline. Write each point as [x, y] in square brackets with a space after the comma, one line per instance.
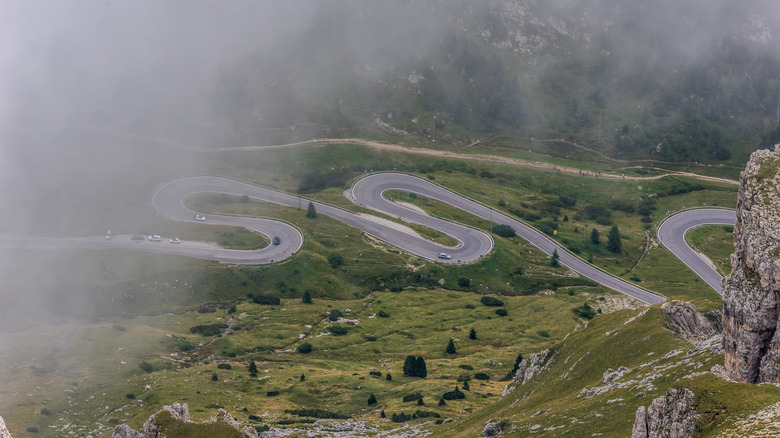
[32, 429]
[412, 397]
[214, 377]
[491, 301]
[543, 333]
[388, 377]
[481, 376]
[272, 393]
[305, 348]
[45, 411]
[369, 338]
[334, 315]
[224, 366]
[383, 314]
[501, 312]
[585, 311]
[464, 282]
[255, 417]
[130, 395]
[466, 367]
[338, 330]
[209, 329]
[457, 394]
[266, 300]
[146, 366]
[375, 373]
[335, 260]
[504, 230]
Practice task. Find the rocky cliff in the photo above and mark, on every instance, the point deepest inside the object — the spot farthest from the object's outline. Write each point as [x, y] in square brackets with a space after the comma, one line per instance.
[4, 433]
[175, 417]
[751, 294]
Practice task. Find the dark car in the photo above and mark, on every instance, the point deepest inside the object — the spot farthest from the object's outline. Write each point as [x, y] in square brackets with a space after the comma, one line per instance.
[277, 241]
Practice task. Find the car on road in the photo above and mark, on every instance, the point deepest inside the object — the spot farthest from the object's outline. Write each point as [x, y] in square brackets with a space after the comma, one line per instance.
[444, 255]
[200, 217]
[175, 240]
[108, 235]
[277, 240]
[137, 237]
[155, 238]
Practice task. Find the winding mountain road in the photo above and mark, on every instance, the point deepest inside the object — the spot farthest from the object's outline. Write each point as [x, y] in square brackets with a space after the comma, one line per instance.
[671, 234]
[168, 201]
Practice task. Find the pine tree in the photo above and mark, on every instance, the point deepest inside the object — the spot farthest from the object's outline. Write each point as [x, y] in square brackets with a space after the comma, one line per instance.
[451, 347]
[554, 258]
[306, 297]
[252, 367]
[303, 377]
[388, 377]
[613, 241]
[466, 386]
[372, 400]
[422, 370]
[473, 334]
[382, 414]
[442, 402]
[214, 377]
[410, 366]
[310, 211]
[594, 237]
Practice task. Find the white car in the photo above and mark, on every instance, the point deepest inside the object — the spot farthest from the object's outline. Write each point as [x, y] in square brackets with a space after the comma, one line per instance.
[444, 255]
[108, 235]
[200, 217]
[155, 238]
[175, 240]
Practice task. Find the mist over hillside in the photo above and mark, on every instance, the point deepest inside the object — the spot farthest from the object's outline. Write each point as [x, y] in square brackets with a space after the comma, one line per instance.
[101, 101]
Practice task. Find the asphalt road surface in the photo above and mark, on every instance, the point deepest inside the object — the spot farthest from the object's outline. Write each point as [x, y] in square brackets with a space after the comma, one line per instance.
[672, 231]
[168, 201]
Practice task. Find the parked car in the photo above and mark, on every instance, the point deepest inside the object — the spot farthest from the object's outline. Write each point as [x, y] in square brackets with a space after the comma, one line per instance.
[108, 235]
[200, 217]
[175, 240]
[277, 241]
[137, 237]
[155, 238]
[444, 255]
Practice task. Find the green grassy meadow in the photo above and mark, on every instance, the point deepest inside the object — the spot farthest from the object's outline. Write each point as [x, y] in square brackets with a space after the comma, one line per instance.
[94, 319]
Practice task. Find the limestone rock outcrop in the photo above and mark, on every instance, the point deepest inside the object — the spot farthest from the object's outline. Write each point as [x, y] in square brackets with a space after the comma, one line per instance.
[4, 433]
[751, 294]
[528, 368]
[686, 323]
[152, 428]
[669, 416]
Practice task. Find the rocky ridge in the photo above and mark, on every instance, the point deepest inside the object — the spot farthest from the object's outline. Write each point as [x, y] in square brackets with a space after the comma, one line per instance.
[751, 293]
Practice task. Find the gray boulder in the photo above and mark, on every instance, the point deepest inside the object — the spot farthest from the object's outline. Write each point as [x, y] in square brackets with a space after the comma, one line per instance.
[670, 416]
[686, 323]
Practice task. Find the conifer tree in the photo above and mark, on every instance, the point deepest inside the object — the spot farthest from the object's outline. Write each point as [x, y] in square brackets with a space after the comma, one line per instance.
[451, 347]
[372, 400]
[613, 240]
[310, 211]
[594, 237]
[473, 334]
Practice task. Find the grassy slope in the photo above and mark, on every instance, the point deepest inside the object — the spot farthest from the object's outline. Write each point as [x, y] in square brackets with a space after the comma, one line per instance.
[552, 403]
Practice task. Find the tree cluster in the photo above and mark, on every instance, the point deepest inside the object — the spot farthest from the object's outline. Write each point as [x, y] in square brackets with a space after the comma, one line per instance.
[415, 367]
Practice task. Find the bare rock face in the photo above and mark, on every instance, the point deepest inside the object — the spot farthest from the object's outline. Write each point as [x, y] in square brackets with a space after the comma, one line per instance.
[751, 294]
[4, 433]
[669, 416]
[686, 323]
